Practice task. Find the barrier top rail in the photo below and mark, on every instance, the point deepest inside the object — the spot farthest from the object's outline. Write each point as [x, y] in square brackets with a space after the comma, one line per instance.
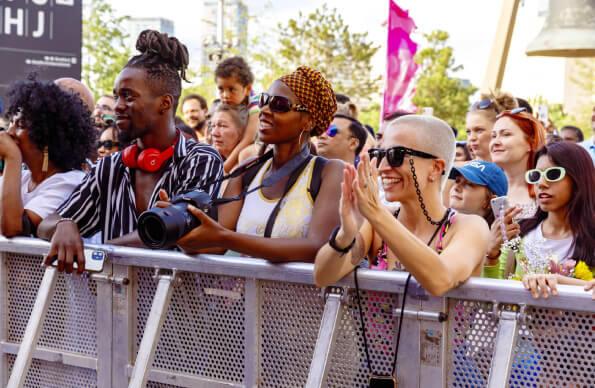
[481, 289]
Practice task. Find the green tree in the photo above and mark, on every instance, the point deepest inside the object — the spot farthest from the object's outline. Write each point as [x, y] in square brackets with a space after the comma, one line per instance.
[370, 115]
[323, 41]
[436, 85]
[104, 47]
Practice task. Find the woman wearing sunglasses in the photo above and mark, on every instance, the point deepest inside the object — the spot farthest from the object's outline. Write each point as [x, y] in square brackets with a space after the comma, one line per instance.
[108, 142]
[560, 235]
[296, 106]
[439, 247]
[480, 121]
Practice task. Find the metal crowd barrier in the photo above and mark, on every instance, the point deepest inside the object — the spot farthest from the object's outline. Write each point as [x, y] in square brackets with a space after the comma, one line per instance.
[164, 319]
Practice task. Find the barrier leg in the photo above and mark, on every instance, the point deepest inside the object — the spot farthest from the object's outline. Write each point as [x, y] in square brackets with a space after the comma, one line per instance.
[325, 342]
[33, 330]
[506, 340]
[146, 351]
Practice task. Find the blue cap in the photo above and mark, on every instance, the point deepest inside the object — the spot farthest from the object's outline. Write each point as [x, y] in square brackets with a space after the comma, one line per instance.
[483, 173]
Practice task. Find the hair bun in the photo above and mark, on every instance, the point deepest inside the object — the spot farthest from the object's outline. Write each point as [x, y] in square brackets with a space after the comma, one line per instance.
[502, 100]
[169, 49]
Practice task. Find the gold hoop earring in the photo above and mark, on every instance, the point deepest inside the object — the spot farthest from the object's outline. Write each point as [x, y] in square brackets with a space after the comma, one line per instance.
[300, 138]
[44, 165]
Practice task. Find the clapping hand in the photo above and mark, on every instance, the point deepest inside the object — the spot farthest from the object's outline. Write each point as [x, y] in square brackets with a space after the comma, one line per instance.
[351, 218]
[365, 189]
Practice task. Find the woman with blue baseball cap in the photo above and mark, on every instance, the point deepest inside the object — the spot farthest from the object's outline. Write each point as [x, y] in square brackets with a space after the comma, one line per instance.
[476, 183]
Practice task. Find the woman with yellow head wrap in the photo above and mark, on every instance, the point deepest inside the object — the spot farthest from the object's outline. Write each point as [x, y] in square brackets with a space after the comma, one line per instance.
[295, 107]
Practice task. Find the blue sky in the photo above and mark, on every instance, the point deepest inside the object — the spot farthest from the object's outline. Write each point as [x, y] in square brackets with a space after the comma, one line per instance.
[471, 24]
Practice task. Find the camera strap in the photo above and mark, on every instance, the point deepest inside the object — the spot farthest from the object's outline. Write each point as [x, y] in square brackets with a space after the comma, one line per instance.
[374, 377]
[287, 169]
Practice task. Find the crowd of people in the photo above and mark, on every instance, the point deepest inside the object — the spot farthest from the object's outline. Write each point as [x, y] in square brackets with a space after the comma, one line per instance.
[298, 177]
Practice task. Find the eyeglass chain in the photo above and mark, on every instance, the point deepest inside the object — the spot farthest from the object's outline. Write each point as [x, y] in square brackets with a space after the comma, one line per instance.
[420, 198]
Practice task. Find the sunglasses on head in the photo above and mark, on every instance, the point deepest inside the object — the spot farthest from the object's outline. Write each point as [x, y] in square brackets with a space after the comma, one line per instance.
[514, 111]
[107, 144]
[279, 104]
[396, 155]
[552, 174]
[486, 103]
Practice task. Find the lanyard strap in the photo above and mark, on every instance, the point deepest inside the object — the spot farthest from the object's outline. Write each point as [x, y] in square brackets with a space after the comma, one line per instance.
[287, 169]
[361, 314]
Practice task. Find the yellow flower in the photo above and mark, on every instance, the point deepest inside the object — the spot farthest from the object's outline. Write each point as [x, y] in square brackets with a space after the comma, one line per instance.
[582, 271]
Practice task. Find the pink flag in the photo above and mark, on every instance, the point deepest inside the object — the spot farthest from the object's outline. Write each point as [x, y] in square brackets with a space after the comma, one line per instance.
[400, 67]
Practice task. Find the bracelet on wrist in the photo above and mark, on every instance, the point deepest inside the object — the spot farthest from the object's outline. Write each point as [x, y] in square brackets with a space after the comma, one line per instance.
[333, 243]
[64, 219]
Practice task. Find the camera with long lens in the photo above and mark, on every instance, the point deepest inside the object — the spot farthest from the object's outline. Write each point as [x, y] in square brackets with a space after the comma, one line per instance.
[162, 227]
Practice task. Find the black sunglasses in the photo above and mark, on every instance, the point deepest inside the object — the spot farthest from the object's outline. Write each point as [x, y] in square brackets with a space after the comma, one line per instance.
[107, 144]
[279, 104]
[396, 155]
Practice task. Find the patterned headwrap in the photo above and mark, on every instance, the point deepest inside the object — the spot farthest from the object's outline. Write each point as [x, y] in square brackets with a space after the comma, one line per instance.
[315, 93]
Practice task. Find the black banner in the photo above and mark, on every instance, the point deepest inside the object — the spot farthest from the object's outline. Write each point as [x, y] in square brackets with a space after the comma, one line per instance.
[42, 36]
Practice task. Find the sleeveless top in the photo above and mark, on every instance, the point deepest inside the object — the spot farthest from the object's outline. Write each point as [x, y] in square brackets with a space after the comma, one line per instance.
[381, 259]
[295, 214]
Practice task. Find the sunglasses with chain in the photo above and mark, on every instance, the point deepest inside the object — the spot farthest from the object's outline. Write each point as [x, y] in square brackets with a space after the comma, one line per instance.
[396, 155]
[279, 104]
[552, 174]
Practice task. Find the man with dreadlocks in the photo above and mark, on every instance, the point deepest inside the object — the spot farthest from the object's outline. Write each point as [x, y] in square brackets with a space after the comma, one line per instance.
[297, 213]
[120, 187]
[438, 246]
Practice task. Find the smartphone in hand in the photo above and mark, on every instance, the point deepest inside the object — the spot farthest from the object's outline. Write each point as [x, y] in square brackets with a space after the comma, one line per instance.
[499, 203]
[94, 260]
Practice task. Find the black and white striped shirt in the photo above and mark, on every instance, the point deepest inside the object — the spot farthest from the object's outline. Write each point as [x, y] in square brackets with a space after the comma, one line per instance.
[105, 201]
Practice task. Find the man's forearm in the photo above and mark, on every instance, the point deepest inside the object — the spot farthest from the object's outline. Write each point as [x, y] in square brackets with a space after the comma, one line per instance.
[47, 227]
[129, 240]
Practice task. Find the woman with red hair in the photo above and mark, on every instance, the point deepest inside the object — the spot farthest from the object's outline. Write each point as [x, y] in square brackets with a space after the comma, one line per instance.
[516, 137]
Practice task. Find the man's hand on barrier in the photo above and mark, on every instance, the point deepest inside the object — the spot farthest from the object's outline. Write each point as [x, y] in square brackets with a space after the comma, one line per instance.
[590, 286]
[66, 246]
[546, 283]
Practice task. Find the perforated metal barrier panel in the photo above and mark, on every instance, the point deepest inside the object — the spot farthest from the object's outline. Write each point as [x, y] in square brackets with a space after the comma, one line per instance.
[290, 319]
[43, 374]
[555, 347]
[349, 367]
[70, 323]
[207, 334]
[472, 332]
[203, 334]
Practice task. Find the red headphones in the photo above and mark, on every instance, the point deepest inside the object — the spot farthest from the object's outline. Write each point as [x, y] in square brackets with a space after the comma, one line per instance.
[149, 160]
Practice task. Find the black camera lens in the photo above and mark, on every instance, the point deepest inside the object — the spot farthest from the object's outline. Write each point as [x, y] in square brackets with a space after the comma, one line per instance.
[153, 230]
[162, 227]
